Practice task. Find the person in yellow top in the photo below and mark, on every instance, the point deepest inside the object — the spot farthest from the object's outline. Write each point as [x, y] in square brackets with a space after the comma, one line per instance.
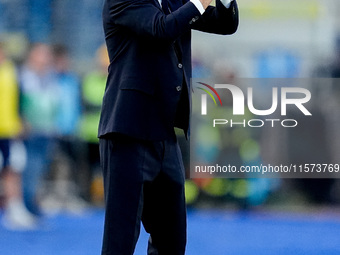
[16, 215]
[93, 88]
[10, 125]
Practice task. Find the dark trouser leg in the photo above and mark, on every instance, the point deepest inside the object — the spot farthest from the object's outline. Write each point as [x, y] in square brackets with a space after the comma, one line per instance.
[164, 217]
[123, 184]
[148, 176]
[164, 211]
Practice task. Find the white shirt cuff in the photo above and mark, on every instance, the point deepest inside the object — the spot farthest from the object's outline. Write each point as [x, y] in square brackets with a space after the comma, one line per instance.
[226, 3]
[198, 5]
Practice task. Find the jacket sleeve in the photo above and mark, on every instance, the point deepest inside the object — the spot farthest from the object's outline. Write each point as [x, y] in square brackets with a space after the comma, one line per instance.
[145, 18]
[218, 20]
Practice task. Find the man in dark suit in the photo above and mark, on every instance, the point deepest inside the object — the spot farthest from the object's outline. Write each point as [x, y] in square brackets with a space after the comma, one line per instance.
[147, 95]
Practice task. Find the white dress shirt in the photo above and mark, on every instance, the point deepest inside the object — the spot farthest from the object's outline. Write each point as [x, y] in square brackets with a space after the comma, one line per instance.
[199, 5]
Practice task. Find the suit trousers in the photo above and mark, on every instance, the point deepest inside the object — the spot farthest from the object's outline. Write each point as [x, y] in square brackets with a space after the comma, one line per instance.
[143, 182]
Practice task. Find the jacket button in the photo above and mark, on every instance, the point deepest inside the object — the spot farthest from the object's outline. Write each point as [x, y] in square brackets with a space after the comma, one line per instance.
[180, 66]
[178, 88]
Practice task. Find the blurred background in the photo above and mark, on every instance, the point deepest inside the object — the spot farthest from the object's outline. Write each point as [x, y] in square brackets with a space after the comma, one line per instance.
[53, 69]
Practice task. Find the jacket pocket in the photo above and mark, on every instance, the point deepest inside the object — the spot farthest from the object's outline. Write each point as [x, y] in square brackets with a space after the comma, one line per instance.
[142, 86]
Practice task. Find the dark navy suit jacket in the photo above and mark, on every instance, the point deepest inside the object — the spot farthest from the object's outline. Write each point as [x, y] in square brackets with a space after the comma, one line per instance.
[149, 77]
